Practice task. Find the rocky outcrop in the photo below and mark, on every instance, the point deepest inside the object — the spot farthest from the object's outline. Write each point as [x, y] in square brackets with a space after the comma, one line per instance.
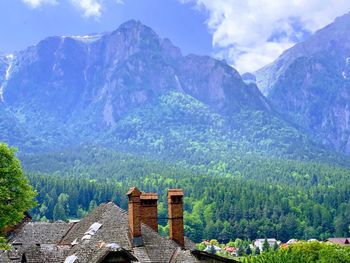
[117, 72]
[310, 83]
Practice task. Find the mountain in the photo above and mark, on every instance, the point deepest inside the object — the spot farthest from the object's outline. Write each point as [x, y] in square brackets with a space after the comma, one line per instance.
[132, 89]
[95, 114]
[310, 83]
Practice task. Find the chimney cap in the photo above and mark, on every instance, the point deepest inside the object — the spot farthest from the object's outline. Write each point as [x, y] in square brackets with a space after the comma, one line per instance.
[149, 196]
[175, 192]
[133, 191]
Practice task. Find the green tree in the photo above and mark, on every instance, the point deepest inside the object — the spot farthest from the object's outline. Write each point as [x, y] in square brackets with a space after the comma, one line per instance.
[240, 251]
[59, 213]
[16, 195]
[212, 249]
[257, 251]
[266, 245]
[92, 205]
[248, 250]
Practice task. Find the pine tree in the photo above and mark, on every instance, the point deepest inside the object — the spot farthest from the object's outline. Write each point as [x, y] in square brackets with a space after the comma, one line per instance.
[59, 212]
[248, 250]
[257, 251]
[266, 245]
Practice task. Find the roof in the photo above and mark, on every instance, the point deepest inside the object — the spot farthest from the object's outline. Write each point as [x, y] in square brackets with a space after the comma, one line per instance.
[37, 241]
[156, 248]
[339, 240]
[202, 255]
[149, 196]
[134, 191]
[102, 233]
[175, 192]
[40, 233]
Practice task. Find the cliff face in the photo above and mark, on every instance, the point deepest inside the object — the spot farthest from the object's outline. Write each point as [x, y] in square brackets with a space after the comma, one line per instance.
[132, 89]
[118, 71]
[310, 83]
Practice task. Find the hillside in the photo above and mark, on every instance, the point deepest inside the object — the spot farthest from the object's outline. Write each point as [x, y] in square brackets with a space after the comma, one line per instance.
[93, 115]
[244, 196]
[310, 84]
[132, 90]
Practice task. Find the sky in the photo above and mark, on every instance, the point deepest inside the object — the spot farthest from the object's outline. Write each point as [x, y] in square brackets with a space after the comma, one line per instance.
[248, 34]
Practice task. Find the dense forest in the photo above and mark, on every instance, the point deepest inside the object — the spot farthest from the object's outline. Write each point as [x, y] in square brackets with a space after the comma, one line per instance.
[244, 196]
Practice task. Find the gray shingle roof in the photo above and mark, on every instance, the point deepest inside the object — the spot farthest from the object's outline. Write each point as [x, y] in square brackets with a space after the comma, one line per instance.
[41, 233]
[104, 230]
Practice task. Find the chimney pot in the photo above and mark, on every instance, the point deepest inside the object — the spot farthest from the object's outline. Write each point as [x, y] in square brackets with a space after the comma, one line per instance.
[149, 212]
[175, 211]
[134, 211]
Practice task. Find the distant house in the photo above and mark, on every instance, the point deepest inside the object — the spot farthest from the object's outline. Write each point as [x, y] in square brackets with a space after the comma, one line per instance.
[209, 248]
[231, 250]
[344, 241]
[259, 243]
[109, 235]
[292, 241]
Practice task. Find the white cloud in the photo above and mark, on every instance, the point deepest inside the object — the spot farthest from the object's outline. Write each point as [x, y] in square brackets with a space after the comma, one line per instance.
[252, 33]
[91, 8]
[37, 3]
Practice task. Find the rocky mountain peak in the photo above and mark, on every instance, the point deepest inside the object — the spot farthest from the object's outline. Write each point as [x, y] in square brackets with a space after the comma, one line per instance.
[310, 83]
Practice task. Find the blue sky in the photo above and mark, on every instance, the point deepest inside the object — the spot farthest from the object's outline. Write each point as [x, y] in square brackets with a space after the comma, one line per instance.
[22, 25]
[248, 34]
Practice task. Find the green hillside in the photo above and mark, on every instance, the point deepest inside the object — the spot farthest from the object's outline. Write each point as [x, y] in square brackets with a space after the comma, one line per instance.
[246, 197]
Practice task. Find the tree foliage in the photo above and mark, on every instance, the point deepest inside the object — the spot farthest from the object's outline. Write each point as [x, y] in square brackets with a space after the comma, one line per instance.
[304, 252]
[16, 195]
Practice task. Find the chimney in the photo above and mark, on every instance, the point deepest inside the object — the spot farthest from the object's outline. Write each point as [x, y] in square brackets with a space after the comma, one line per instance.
[134, 216]
[149, 213]
[175, 210]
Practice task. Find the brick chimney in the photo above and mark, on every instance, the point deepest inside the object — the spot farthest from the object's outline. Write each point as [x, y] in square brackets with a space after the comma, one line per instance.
[149, 212]
[134, 211]
[175, 210]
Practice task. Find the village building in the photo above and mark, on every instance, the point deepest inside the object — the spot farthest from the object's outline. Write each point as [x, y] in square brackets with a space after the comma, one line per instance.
[344, 241]
[259, 243]
[109, 234]
[292, 241]
[231, 250]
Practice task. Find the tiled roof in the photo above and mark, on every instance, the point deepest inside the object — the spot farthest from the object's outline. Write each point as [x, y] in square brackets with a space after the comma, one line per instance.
[38, 242]
[340, 240]
[103, 231]
[40, 233]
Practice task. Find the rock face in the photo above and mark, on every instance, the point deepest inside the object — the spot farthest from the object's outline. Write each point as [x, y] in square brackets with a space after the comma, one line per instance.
[132, 89]
[75, 88]
[118, 71]
[310, 83]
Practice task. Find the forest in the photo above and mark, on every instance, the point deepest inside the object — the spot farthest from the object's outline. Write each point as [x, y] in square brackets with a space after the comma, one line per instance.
[243, 196]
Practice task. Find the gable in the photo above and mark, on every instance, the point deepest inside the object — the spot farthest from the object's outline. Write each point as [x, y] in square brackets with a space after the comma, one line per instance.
[117, 257]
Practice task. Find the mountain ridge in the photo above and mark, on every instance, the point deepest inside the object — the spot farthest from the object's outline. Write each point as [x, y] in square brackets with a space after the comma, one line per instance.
[309, 83]
[67, 91]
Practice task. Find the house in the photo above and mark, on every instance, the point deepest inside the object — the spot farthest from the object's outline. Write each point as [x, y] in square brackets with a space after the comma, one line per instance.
[312, 240]
[231, 250]
[259, 243]
[109, 234]
[292, 241]
[344, 241]
[210, 248]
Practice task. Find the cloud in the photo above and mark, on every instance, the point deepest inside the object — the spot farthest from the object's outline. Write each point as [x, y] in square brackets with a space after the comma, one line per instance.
[37, 3]
[252, 33]
[91, 8]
